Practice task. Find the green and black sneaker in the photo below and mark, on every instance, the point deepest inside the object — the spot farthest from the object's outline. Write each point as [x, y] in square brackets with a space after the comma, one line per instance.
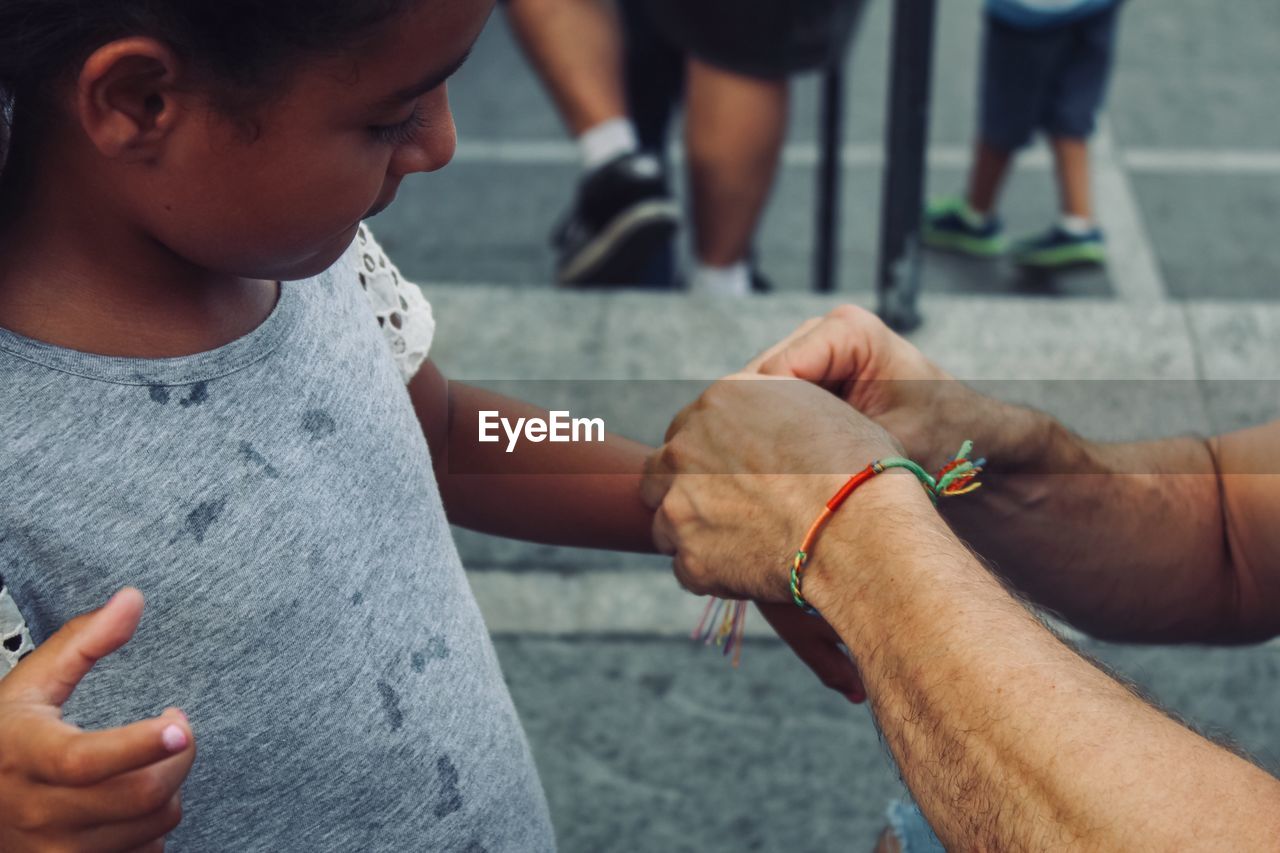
[950, 224]
[1058, 248]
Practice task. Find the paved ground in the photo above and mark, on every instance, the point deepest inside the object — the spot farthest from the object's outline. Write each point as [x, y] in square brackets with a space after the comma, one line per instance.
[649, 744]
[654, 746]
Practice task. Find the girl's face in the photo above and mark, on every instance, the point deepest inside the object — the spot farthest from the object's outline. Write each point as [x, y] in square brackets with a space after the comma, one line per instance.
[283, 199]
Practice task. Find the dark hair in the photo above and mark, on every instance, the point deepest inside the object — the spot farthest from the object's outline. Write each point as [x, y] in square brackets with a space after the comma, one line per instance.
[240, 44]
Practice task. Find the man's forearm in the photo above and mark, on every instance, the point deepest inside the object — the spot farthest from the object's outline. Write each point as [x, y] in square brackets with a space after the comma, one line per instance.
[1006, 737]
[1125, 540]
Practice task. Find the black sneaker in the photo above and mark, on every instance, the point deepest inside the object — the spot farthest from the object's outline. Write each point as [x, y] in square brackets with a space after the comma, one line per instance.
[622, 216]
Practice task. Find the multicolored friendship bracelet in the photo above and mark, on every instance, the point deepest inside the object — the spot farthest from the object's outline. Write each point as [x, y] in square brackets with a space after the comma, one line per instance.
[957, 477]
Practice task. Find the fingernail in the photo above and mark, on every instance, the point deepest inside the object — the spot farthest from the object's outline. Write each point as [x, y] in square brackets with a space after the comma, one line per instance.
[183, 715]
[174, 738]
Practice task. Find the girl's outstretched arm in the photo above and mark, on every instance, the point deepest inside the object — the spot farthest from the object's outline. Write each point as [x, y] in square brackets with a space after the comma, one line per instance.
[583, 494]
[514, 495]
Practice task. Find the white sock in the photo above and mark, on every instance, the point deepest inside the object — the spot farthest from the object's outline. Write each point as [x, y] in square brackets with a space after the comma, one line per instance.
[607, 141]
[733, 280]
[1076, 226]
[974, 219]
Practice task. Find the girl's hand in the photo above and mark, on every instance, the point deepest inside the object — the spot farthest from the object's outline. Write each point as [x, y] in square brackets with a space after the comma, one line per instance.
[818, 645]
[63, 788]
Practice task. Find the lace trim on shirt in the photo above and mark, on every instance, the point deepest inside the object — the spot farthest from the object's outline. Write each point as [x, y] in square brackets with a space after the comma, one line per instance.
[403, 313]
[15, 639]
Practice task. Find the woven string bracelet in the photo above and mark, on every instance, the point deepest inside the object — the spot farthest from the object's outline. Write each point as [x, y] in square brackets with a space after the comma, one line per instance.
[957, 477]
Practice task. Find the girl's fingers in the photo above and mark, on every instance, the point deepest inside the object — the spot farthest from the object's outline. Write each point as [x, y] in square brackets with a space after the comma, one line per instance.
[143, 833]
[124, 798]
[60, 754]
[49, 674]
[818, 645]
[156, 846]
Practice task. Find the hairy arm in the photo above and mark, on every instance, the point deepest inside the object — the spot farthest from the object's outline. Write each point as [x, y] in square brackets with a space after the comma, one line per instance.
[1158, 541]
[534, 493]
[1155, 541]
[1008, 739]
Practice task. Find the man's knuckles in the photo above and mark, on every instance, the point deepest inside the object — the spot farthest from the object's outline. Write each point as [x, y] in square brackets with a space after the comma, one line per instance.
[691, 573]
[856, 317]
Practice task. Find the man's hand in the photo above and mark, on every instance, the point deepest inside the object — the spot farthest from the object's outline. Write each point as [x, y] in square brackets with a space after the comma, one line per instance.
[776, 451]
[67, 789]
[853, 354]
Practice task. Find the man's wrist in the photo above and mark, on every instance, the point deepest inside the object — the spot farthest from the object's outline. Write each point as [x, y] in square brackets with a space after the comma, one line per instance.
[1012, 438]
[861, 534]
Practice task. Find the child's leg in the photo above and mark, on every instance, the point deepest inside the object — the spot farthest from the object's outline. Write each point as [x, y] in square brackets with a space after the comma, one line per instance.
[1071, 109]
[1074, 103]
[986, 177]
[1017, 68]
[1071, 162]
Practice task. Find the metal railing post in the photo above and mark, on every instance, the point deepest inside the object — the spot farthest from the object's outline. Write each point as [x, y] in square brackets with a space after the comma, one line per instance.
[906, 139]
[826, 246]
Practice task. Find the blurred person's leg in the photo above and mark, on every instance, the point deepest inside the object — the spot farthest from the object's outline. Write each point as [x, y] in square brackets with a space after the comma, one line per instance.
[653, 76]
[654, 79]
[622, 212]
[735, 127]
[1070, 116]
[1071, 166]
[741, 54]
[1017, 68]
[986, 177]
[576, 48]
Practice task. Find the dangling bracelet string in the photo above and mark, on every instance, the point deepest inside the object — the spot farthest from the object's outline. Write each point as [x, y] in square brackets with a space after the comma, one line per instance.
[730, 630]
[957, 477]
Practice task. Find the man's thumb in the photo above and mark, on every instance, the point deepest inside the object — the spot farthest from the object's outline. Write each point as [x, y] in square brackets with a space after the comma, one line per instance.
[50, 673]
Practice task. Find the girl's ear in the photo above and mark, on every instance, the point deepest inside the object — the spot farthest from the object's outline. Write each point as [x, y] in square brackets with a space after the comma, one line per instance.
[126, 97]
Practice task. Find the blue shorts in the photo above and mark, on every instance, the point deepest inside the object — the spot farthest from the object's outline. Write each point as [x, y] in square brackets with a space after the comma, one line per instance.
[1053, 80]
[912, 831]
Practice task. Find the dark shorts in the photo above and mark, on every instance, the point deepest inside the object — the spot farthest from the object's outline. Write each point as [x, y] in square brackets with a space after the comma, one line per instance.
[1052, 80]
[769, 39]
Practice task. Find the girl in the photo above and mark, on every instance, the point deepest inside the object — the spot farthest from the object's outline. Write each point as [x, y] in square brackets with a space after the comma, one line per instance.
[204, 361]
